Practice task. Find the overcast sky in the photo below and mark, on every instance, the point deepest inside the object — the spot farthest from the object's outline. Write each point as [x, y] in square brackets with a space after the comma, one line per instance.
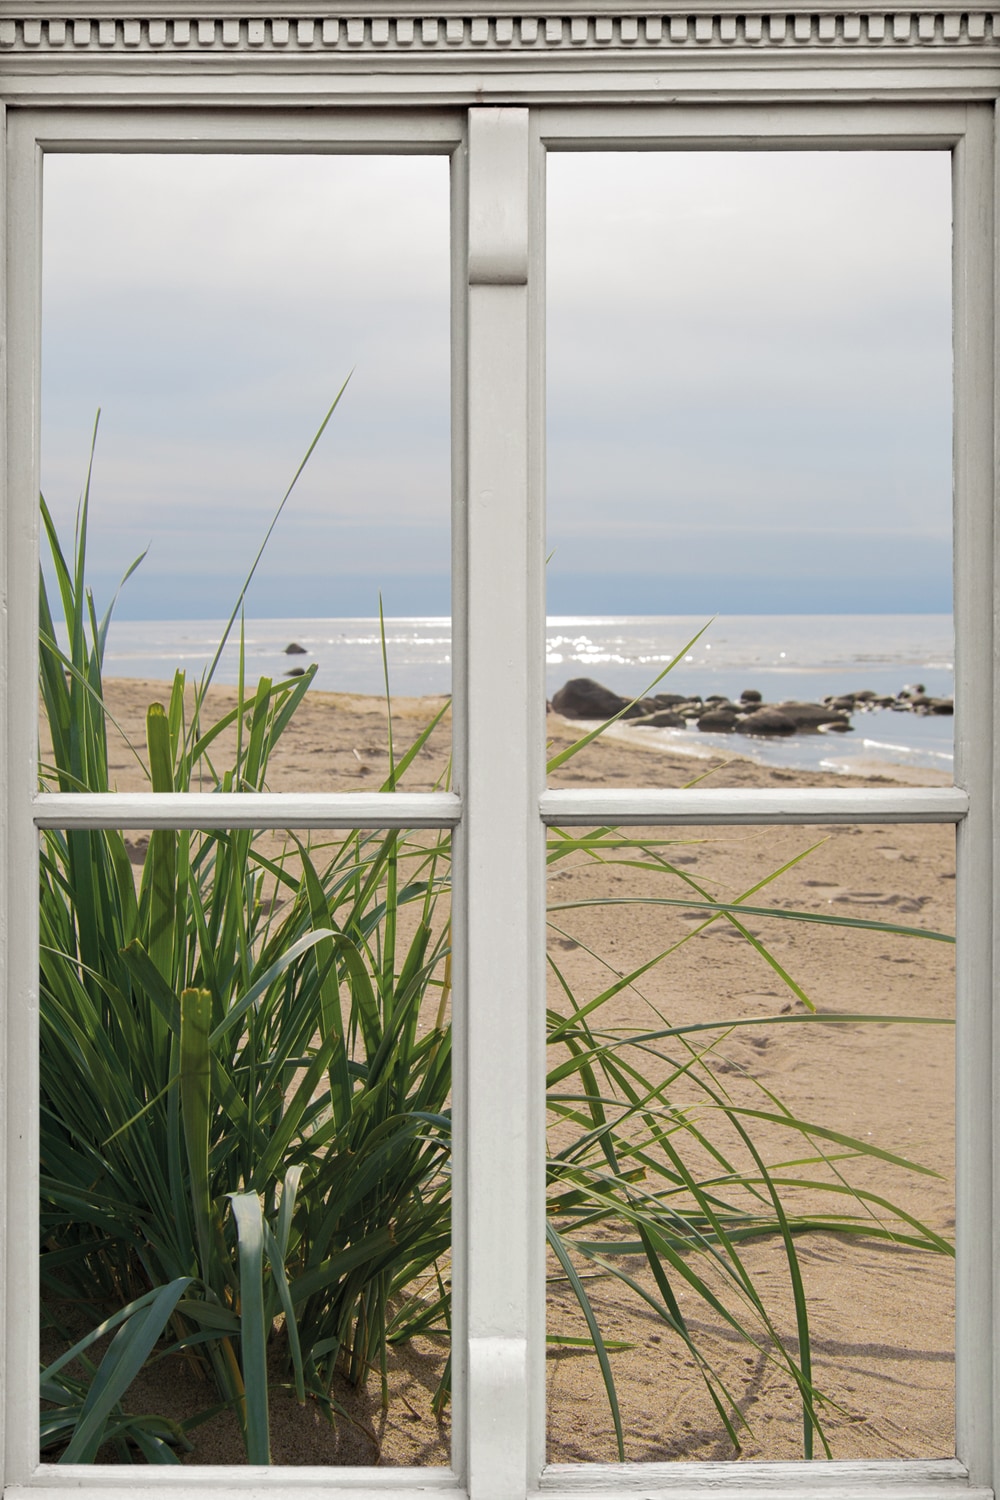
[749, 379]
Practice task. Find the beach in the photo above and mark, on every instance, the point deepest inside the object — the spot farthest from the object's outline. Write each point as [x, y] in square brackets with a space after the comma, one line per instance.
[881, 1314]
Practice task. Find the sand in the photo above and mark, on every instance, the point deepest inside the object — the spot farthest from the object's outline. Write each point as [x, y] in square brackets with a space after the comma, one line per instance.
[882, 1316]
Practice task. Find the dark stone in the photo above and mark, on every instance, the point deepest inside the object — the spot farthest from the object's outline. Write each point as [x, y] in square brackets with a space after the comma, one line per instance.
[668, 700]
[845, 704]
[840, 726]
[910, 691]
[750, 695]
[942, 706]
[866, 695]
[718, 719]
[920, 700]
[811, 715]
[766, 721]
[662, 719]
[294, 649]
[296, 672]
[641, 709]
[583, 698]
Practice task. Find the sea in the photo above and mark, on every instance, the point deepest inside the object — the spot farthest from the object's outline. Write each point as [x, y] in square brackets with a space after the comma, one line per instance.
[785, 657]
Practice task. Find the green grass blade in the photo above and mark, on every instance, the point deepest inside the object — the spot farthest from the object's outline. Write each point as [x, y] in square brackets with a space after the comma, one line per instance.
[128, 1352]
[253, 1331]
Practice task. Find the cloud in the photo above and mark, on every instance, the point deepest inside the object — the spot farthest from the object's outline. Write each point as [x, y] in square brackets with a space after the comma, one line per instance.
[748, 360]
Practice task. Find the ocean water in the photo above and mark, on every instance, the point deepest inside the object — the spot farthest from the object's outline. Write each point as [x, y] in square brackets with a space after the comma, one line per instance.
[783, 656]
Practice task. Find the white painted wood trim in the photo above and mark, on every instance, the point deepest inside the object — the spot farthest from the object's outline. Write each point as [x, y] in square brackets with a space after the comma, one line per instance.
[907, 1480]
[501, 34]
[23, 207]
[246, 810]
[499, 755]
[460, 1236]
[817, 124]
[501, 867]
[849, 1480]
[704, 806]
[52, 1482]
[975, 769]
[242, 130]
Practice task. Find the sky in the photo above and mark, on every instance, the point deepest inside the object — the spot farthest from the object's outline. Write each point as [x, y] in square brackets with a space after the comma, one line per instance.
[748, 388]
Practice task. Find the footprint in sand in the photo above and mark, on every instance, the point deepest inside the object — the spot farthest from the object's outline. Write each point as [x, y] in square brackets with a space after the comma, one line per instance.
[888, 852]
[882, 898]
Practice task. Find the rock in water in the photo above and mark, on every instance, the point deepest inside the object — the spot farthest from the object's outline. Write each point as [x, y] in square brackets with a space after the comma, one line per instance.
[766, 721]
[662, 719]
[812, 715]
[294, 649]
[719, 719]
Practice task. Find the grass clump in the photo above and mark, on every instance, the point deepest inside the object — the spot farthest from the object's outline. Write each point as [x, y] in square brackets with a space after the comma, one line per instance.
[245, 1096]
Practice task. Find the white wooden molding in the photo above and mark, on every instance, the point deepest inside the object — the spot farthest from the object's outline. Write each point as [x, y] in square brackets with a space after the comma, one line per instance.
[402, 37]
[246, 810]
[704, 806]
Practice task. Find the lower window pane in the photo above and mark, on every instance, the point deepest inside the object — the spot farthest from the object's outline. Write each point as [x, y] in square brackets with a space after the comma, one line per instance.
[751, 1144]
[245, 1147]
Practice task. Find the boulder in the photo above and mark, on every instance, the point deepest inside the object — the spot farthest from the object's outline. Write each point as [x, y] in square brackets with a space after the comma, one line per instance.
[662, 719]
[750, 695]
[294, 649]
[766, 721]
[811, 715]
[640, 709]
[718, 719]
[583, 698]
[668, 700]
[942, 706]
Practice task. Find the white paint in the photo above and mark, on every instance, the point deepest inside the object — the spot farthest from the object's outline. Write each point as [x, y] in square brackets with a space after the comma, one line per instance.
[784, 83]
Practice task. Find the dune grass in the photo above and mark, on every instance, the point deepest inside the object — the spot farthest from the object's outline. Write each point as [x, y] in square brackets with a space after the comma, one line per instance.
[245, 1085]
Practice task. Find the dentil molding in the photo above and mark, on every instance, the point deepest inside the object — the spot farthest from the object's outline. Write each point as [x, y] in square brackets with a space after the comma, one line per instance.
[553, 34]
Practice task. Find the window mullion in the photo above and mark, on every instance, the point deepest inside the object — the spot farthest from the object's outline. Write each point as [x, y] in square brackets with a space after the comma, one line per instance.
[976, 1433]
[501, 845]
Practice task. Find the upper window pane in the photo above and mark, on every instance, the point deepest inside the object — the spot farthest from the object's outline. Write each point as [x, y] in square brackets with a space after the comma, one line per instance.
[213, 308]
[749, 436]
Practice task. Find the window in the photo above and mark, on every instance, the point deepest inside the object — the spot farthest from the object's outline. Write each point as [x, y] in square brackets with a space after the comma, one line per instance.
[497, 92]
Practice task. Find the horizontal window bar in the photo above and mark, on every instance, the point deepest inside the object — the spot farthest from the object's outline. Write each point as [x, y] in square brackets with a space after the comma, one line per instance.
[916, 804]
[246, 810]
[941, 1479]
[912, 127]
[107, 1484]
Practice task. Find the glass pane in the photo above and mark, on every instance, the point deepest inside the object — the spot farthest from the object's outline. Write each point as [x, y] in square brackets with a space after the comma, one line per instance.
[246, 1140]
[739, 1101]
[749, 458]
[213, 309]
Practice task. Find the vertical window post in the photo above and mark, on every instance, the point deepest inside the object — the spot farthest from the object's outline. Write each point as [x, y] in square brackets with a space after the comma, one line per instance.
[502, 839]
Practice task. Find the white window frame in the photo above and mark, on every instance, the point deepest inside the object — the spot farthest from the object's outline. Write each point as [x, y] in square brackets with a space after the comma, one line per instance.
[496, 90]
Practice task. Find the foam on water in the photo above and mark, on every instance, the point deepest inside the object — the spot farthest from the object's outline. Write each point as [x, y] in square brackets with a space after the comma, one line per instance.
[782, 656]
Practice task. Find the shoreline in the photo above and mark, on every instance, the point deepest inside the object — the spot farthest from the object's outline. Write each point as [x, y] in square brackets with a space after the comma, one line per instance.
[622, 756]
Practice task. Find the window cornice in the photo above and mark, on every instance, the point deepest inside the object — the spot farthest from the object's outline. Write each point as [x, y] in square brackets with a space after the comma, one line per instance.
[395, 38]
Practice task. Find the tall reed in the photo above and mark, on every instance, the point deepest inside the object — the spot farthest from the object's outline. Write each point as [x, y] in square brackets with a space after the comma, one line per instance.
[246, 1083]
